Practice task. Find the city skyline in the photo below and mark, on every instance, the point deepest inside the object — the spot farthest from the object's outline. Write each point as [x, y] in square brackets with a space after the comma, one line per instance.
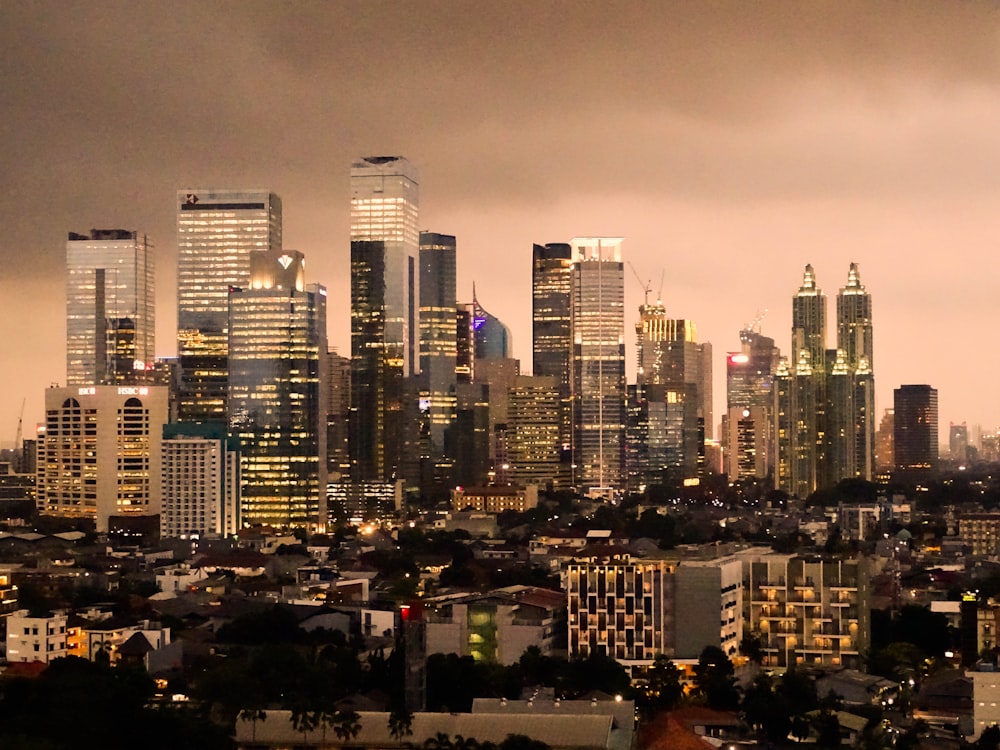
[781, 147]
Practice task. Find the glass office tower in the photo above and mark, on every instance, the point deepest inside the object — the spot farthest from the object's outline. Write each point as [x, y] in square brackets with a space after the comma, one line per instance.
[277, 405]
[216, 232]
[384, 314]
[598, 376]
[438, 334]
[110, 307]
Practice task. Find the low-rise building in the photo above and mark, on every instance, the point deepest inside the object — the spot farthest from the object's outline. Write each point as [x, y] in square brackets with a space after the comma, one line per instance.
[981, 533]
[495, 499]
[35, 638]
[807, 610]
[497, 627]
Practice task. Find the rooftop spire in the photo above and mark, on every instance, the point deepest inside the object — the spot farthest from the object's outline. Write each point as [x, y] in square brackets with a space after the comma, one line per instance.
[808, 281]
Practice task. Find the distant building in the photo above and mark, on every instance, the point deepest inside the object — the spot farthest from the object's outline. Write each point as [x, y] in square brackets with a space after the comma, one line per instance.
[277, 395]
[748, 440]
[669, 409]
[533, 433]
[958, 442]
[598, 367]
[100, 453]
[495, 499]
[438, 336]
[385, 298]
[363, 502]
[981, 533]
[216, 232]
[200, 473]
[551, 339]
[110, 307]
[915, 428]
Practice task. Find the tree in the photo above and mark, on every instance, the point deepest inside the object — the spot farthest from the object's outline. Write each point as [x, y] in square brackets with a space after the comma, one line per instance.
[346, 724]
[715, 680]
[664, 689]
[989, 739]
[400, 723]
[827, 727]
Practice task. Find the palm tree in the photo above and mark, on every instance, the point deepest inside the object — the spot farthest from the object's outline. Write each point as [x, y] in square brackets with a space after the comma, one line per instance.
[400, 724]
[304, 720]
[253, 715]
[346, 725]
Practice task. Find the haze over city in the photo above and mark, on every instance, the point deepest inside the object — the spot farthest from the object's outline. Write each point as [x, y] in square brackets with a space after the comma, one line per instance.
[729, 144]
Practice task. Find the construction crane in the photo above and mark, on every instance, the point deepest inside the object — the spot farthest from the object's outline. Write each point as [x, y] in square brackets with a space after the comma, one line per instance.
[646, 288]
[754, 325]
[18, 448]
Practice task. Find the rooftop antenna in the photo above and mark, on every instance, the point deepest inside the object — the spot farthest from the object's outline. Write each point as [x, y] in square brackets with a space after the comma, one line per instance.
[659, 294]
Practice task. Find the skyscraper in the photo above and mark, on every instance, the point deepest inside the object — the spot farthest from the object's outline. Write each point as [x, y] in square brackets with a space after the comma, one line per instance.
[852, 403]
[915, 428]
[800, 407]
[277, 396]
[384, 314]
[551, 287]
[671, 401]
[598, 374]
[438, 335]
[551, 342]
[748, 434]
[216, 232]
[491, 339]
[110, 307]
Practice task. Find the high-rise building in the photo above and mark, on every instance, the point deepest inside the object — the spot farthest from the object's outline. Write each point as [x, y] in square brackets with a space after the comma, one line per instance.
[551, 288]
[200, 481]
[551, 342]
[491, 339]
[673, 382]
[338, 461]
[958, 442]
[277, 391]
[384, 309]
[851, 387]
[99, 455]
[438, 336]
[598, 373]
[748, 433]
[915, 428]
[533, 429]
[216, 232]
[884, 459]
[110, 307]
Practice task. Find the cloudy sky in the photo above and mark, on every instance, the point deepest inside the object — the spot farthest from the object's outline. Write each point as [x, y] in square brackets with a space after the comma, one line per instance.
[730, 143]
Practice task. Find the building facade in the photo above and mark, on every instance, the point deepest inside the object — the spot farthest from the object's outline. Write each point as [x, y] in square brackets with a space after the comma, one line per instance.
[598, 369]
[216, 232]
[99, 455]
[438, 335]
[915, 428]
[277, 397]
[200, 479]
[384, 309]
[808, 610]
[110, 307]
[35, 638]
